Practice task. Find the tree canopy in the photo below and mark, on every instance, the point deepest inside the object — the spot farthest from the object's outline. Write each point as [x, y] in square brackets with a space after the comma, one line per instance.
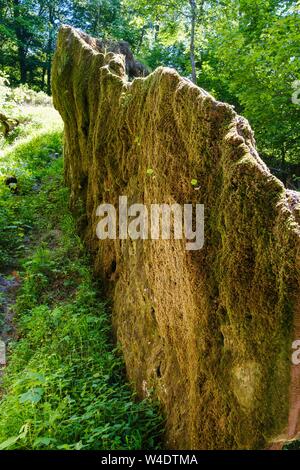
[245, 52]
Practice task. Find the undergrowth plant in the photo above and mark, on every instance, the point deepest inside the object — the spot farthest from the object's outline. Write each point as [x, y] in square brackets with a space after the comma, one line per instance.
[31, 111]
[64, 386]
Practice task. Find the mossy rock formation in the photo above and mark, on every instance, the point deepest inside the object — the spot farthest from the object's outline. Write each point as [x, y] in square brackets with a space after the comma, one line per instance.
[209, 332]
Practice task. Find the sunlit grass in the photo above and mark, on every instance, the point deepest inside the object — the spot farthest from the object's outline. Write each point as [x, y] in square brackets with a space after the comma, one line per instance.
[34, 121]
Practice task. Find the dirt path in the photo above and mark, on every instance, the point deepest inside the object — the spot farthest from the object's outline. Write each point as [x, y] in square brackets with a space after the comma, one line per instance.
[9, 284]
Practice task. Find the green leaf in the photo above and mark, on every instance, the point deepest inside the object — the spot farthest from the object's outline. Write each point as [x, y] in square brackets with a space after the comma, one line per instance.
[78, 445]
[43, 441]
[10, 441]
[32, 396]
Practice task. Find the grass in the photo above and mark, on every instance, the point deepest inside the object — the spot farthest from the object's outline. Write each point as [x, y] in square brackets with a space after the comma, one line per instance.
[34, 120]
[64, 386]
[33, 110]
[29, 162]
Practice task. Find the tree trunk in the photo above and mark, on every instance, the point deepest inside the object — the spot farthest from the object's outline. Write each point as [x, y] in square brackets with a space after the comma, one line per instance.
[49, 78]
[22, 64]
[20, 38]
[156, 29]
[283, 165]
[50, 47]
[140, 43]
[193, 6]
[283, 155]
[43, 78]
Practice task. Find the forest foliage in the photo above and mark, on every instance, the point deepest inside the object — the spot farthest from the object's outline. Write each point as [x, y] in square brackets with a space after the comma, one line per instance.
[245, 52]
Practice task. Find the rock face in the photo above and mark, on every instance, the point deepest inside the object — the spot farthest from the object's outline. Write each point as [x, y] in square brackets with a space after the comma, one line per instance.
[208, 332]
[133, 67]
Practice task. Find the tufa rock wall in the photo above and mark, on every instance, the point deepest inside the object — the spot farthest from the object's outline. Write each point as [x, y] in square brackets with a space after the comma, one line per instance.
[133, 67]
[208, 332]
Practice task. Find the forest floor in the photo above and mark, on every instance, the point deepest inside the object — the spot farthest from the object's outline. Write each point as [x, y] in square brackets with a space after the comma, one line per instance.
[9, 284]
[63, 385]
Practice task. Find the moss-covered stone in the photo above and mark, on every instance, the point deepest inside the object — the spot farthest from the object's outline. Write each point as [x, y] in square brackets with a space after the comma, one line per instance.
[209, 331]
